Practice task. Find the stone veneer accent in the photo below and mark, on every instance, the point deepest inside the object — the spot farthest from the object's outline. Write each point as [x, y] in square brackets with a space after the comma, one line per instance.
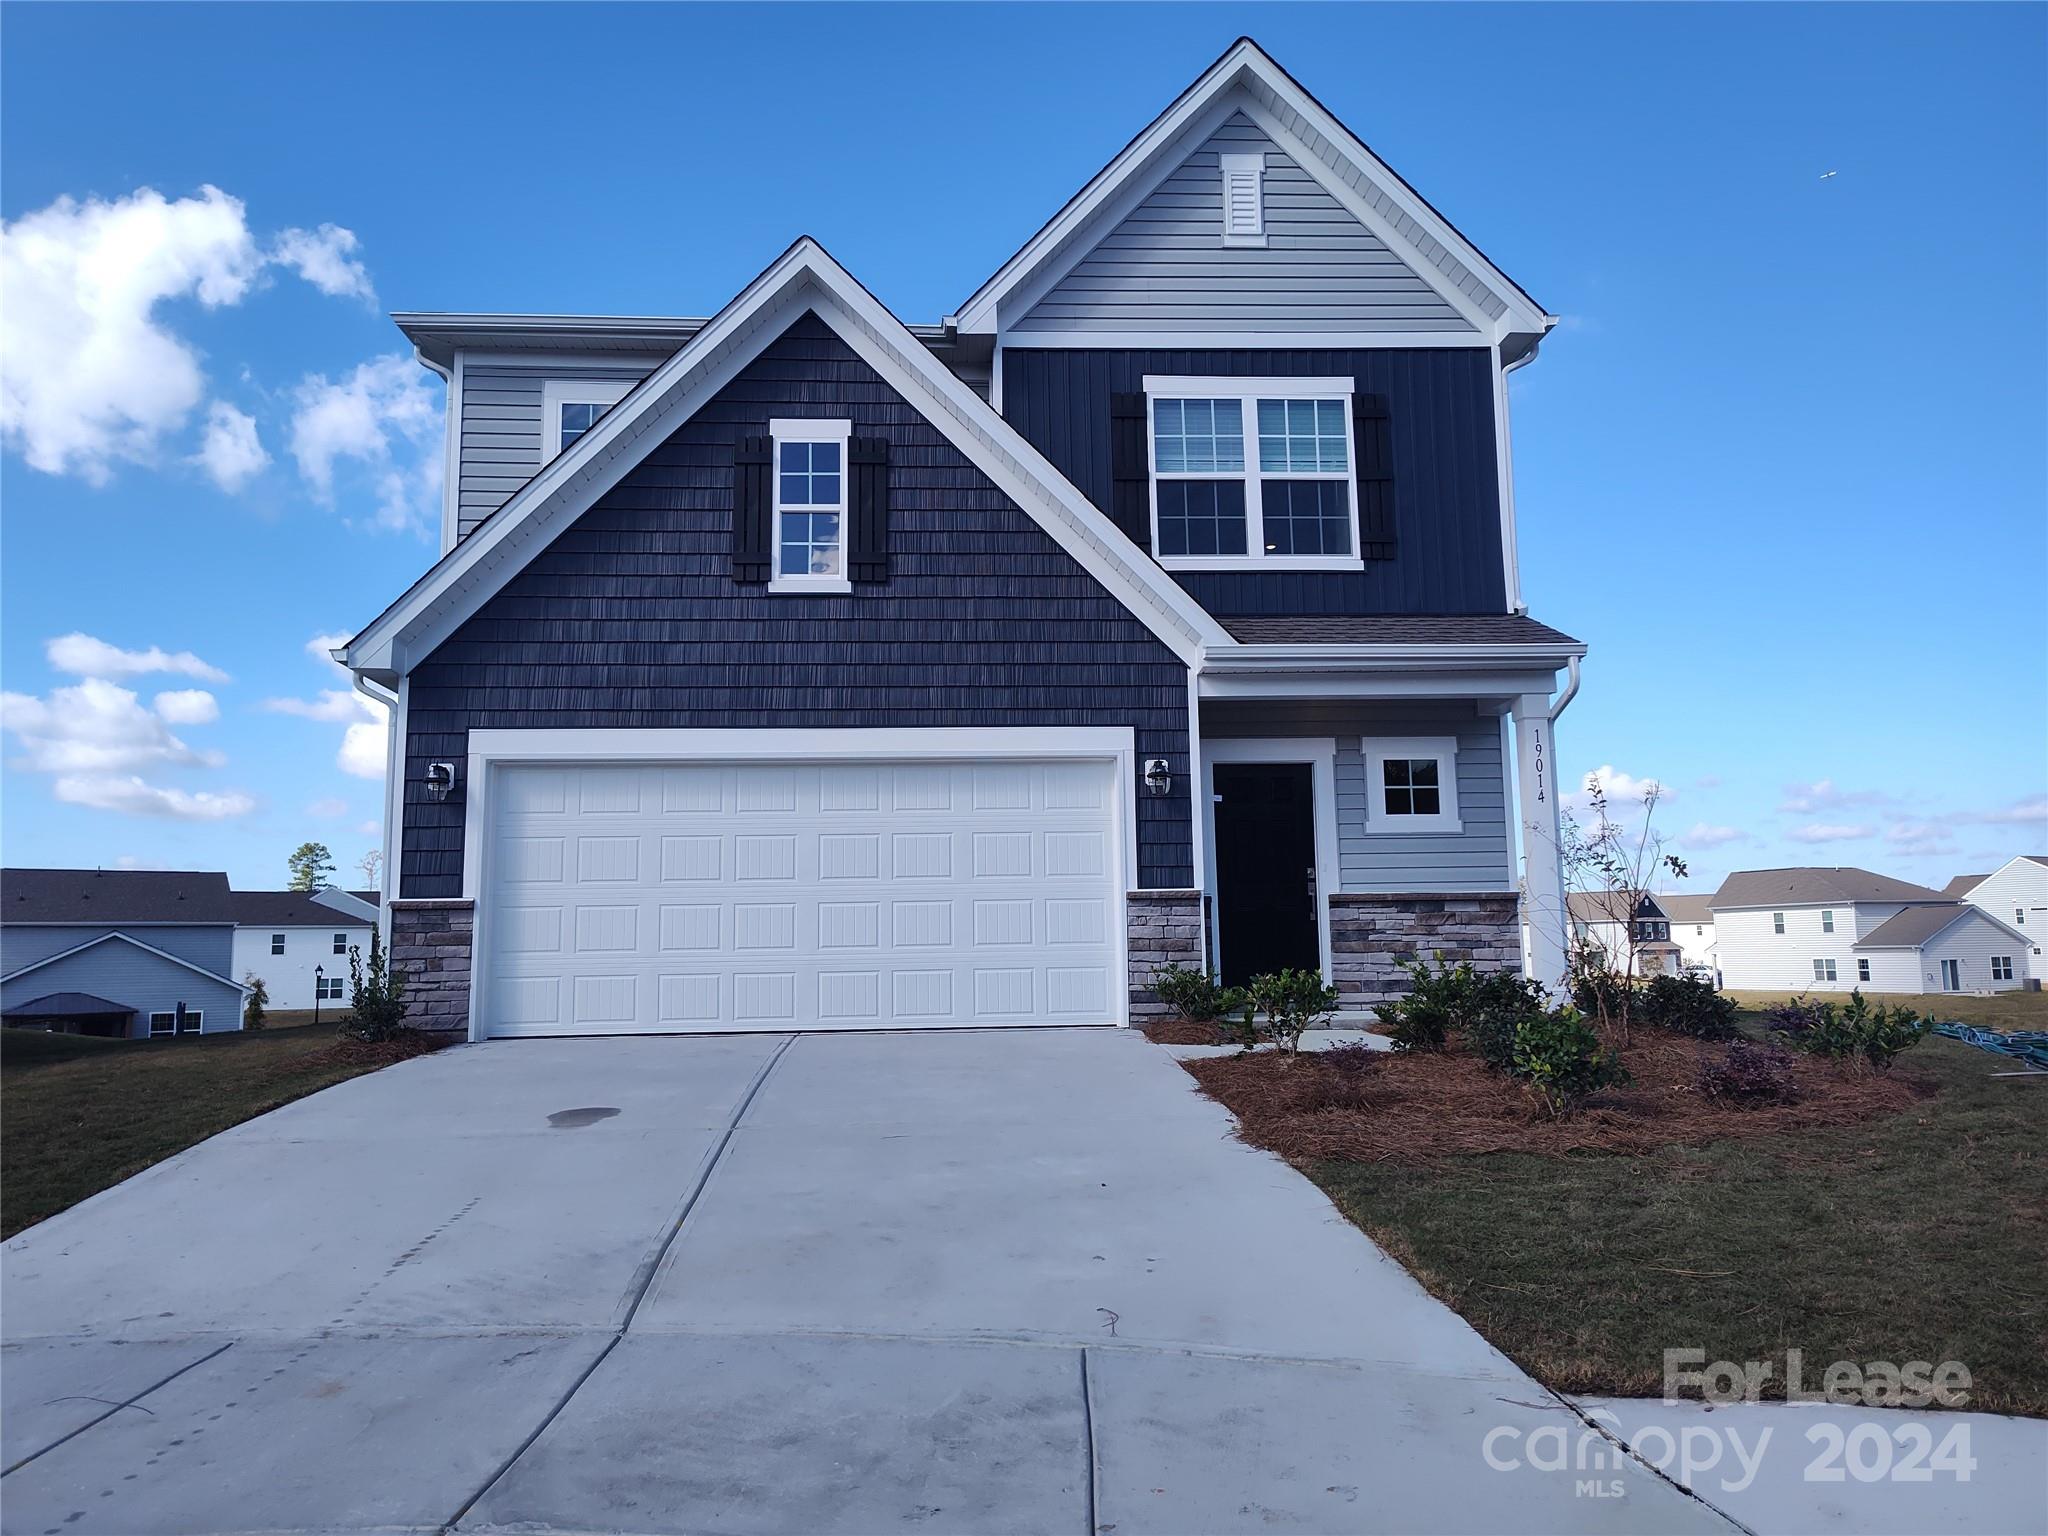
[1165, 928]
[430, 942]
[1373, 937]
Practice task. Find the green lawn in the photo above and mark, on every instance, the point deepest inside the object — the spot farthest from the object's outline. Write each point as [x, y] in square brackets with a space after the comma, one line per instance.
[1920, 1236]
[1998, 1010]
[79, 1114]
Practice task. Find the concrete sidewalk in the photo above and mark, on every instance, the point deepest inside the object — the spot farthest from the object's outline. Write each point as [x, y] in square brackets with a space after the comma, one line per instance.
[994, 1281]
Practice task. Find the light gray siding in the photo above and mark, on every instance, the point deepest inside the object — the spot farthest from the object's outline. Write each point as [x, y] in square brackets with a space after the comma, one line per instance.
[500, 448]
[1166, 268]
[134, 978]
[1477, 857]
[209, 946]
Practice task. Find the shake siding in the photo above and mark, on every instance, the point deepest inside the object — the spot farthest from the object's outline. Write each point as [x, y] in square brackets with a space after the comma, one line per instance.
[501, 428]
[136, 979]
[1446, 487]
[1478, 857]
[1166, 268]
[210, 946]
[631, 618]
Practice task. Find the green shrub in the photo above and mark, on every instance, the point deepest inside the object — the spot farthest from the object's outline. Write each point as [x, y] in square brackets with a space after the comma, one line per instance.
[1291, 1003]
[1851, 1031]
[1455, 999]
[376, 994]
[1563, 1062]
[253, 1005]
[1600, 993]
[1687, 1007]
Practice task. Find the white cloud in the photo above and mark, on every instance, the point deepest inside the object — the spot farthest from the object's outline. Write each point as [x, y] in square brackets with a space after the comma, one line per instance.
[133, 861]
[1704, 836]
[362, 744]
[187, 706]
[110, 792]
[1621, 789]
[386, 417]
[328, 809]
[331, 704]
[2031, 811]
[1829, 832]
[370, 828]
[362, 749]
[232, 453]
[1918, 837]
[94, 726]
[1826, 795]
[88, 374]
[324, 257]
[83, 656]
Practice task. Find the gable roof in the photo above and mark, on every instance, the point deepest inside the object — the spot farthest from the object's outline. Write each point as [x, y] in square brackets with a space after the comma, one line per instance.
[1611, 906]
[129, 939]
[293, 909]
[1247, 79]
[803, 279]
[1688, 906]
[92, 896]
[1796, 887]
[1918, 925]
[1962, 884]
[65, 1005]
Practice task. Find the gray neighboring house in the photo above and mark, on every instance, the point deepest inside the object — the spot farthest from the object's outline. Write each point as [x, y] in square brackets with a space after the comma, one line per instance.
[132, 953]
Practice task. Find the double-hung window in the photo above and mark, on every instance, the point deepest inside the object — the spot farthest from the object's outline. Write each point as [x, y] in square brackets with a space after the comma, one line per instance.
[1252, 472]
[810, 476]
[1863, 970]
[1827, 922]
[2001, 967]
[277, 943]
[1824, 970]
[329, 989]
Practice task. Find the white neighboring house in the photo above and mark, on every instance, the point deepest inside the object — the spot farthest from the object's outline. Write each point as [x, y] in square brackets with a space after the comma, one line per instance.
[282, 936]
[1692, 927]
[1835, 929]
[2015, 894]
[1600, 918]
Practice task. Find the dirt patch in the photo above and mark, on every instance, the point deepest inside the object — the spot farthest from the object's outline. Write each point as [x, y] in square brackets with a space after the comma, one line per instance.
[1182, 1032]
[367, 1054]
[1418, 1107]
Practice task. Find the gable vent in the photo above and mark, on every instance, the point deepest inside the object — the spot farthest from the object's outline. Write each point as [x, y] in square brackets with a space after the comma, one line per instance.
[1244, 199]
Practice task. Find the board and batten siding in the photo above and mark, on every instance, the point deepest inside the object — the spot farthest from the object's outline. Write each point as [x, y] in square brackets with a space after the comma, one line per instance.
[209, 946]
[1447, 555]
[631, 618]
[135, 979]
[501, 427]
[1477, 857]
[1165, 267]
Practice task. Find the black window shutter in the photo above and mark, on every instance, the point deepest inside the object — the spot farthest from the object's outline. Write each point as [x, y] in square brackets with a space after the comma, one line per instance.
[1371, 431]
[753, 509]
[867, 537]
[1130, 471]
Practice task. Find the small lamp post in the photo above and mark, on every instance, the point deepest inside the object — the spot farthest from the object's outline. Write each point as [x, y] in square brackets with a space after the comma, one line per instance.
[319, 991]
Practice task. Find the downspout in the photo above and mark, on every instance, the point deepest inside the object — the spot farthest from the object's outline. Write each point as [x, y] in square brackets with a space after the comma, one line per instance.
[392, 797]
[1571, 687]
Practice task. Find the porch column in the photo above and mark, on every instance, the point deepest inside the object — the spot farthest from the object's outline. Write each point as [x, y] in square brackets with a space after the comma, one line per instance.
[1542, 841]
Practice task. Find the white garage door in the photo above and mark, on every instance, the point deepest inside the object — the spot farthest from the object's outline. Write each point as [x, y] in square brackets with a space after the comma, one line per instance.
[819, 896]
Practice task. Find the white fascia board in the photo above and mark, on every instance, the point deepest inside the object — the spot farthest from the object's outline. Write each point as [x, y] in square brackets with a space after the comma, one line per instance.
[804, 278]
[1246, 65]
[341, 902]
[1476, 683]
[161, 954]
[1242, 341]
[664, 744]
[1415, 656]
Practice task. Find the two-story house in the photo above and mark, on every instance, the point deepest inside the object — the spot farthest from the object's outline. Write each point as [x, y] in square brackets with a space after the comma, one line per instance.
[1835, 929]
[1638, 941]
[2016, 893]
[298, 942]
[799, 668]
[126, 953]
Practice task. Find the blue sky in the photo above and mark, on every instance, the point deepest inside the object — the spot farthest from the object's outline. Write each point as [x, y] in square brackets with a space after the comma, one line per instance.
[1782, 465]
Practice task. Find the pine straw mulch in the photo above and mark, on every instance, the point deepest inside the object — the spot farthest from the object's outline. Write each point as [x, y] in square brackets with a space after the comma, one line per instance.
[1179, 1031]
[1418, 1107]
[366, 1055]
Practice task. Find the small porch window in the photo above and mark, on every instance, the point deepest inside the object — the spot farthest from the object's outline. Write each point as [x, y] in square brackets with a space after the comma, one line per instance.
[1411, 784]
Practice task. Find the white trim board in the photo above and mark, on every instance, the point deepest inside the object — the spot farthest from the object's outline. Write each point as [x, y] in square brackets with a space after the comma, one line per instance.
[1320, 753]
[805, 278]
[162, 954]
[490, 750]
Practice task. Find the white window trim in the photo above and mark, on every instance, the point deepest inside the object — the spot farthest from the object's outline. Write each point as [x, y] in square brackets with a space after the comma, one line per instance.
[339, 943]
[196, 1016]
[809, 430]
[1827, 920]
[1862, 968]
[1377, 750]
[556, 393]
[277, 943]
[1254, 165]
[1248, 392]
[1825, 969]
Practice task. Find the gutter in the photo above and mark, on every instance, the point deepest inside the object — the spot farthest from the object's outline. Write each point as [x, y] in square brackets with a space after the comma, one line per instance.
[1413, 657]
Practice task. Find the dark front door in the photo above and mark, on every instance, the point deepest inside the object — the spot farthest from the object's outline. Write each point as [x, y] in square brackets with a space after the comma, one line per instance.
[1265, 869]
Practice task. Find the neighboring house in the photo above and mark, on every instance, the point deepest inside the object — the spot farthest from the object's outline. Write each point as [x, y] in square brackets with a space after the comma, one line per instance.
[1831, 930]
[298, 941]
[2016, 893]
[118, 952]
[1602, 919]
[1692, 927]
[795, 668]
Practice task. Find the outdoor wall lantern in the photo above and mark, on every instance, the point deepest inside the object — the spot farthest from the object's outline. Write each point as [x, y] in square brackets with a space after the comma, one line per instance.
[1158, 777]
[440, 780]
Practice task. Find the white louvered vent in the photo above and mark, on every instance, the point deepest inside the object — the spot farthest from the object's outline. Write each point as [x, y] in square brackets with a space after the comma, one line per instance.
[1244, 199]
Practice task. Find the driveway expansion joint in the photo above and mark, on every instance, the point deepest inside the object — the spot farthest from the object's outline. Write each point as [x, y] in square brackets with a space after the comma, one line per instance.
[117, 1407]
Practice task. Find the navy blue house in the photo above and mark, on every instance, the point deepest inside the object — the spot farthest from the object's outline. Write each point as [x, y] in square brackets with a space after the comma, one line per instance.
[798, 668]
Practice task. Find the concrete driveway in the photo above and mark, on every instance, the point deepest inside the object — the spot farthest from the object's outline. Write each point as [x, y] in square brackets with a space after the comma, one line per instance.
[1005, 1281]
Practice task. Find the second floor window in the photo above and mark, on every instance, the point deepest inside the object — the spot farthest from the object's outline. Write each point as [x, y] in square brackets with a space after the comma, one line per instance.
[1777, 922]
[1827, 922]
[341, 943]
[1650, 930]
[810, 505]
[1252, 476]
[277, 943]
